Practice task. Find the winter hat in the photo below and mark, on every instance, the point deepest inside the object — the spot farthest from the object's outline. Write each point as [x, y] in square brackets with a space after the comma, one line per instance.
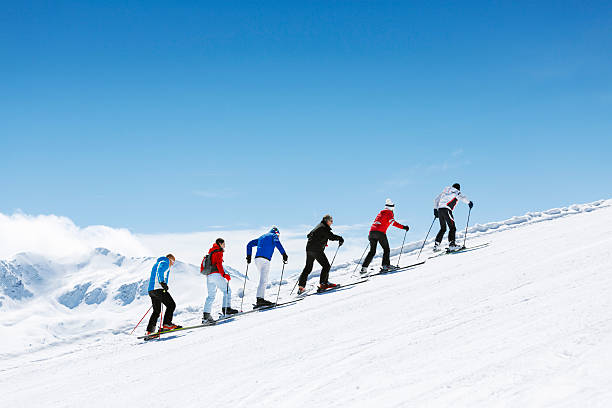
[389, 204]
[275, 230]
[457, 186]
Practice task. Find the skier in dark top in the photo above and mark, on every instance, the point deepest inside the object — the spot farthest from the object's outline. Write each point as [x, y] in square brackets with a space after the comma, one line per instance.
[444, 204]
[158, 291]
[315, 250]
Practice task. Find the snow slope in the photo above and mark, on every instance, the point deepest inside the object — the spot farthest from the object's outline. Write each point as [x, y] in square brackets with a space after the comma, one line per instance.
[523, 322]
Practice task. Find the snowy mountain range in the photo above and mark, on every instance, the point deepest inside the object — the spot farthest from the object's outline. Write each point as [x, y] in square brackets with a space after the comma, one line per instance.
[522, 322]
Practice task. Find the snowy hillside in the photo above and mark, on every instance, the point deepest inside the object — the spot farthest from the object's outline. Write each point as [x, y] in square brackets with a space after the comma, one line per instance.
[522, 322]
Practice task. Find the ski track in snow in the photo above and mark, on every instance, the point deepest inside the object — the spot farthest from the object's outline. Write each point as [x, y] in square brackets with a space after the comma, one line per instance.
[523, 322]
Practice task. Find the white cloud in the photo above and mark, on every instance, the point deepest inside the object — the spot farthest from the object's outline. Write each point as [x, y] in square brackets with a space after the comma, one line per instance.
[59, 237]
[56, 237]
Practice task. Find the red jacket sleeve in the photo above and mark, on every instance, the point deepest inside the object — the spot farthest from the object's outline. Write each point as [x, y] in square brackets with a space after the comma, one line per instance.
[217, 260]
[397, 224]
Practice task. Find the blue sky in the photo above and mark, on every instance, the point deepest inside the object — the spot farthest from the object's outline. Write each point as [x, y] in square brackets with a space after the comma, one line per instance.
[166, 118]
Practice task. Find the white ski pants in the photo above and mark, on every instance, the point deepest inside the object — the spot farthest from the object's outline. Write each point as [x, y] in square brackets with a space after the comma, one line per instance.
[215, 281]
[264, 271]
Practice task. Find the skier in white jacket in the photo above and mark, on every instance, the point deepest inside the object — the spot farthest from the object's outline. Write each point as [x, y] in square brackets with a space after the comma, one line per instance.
[444, 204]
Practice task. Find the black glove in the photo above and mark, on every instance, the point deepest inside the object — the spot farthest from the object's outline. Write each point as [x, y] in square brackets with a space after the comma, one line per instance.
[340, 241]
[470, 204]
[285, 258]
[435, 212]
[248, 258]
[406, 227]
[164, 285]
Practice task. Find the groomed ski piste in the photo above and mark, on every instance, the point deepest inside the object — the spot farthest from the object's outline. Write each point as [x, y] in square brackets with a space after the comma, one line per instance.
[524, 321]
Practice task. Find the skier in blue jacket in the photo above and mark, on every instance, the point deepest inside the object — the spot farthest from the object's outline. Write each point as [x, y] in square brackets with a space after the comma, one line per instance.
[158, 291]
[265, 249]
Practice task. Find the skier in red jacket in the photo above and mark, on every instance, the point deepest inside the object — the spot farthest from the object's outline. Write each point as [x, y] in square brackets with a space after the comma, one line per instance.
[378, 234]
[218, 279]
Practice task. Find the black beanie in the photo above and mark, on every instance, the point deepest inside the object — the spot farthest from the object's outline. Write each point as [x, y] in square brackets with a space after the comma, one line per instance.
[457, 186]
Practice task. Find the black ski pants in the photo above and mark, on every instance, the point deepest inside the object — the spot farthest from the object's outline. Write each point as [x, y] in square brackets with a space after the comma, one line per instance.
[375, 238]
[320, 257]
[446, 218]
[158, 297]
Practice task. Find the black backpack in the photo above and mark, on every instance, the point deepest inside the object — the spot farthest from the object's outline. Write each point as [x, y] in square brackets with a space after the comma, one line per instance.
[207, 267]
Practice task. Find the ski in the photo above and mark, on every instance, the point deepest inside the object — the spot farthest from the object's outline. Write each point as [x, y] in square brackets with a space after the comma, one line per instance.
[400, 269]
[221, 320]
[458, 251]
[157, 334]
[261, 308]
[340, 286]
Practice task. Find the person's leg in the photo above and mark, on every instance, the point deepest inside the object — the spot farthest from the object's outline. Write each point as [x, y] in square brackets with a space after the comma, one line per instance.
[324, 262]
[264, 271]
[224, 285]
[310, 258]
[156, 311]
[452, 228]
[442, 220]
[373, 242]
[212, 291]
[384, 243]
[167, 300]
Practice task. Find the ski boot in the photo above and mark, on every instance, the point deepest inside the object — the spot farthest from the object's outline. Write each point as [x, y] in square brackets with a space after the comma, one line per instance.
[207, 319]
[229, 311]
[388, 268]
[171, 326]
[452, 247]
[151, 335]
[261, 302]
[437, 247]
[301, 291]
[326, 286]
[363, 271]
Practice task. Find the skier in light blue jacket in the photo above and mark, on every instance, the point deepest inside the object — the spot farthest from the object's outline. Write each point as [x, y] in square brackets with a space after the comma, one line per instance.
[158, 291]
[265, 249]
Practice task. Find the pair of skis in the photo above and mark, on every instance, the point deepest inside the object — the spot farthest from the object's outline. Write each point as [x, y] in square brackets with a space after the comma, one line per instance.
[221, 320]
[309, 292]
[390, 271]
[460, 250]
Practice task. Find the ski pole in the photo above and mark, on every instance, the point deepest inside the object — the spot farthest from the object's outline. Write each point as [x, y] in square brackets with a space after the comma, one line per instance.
[145, 315]
[246, 275]
[294, 286]
[161, 316]
[466, 227]
[332, 263]
[362, 255]
[402, 250]
[423, 246]
[280, 283]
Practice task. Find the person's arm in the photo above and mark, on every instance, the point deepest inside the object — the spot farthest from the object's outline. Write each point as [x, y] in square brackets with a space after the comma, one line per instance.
[437, 201]
[397, 224]
[250, 246]
[463, 197]
[279, 246]
[162, 268]
[400, 226]
[217, 260]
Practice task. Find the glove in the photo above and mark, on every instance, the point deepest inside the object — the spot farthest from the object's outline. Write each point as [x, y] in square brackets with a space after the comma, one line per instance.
[285, 258]
[470, 204]
[227, 277]
[435, 212]
[340, 241]
[406, 227]
[248, 258]
[164, 285]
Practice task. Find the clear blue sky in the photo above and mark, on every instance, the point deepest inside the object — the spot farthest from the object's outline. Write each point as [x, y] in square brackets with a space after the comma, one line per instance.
[170, 118]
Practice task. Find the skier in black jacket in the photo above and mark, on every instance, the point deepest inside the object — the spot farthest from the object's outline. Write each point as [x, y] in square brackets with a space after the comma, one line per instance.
[315, 250]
